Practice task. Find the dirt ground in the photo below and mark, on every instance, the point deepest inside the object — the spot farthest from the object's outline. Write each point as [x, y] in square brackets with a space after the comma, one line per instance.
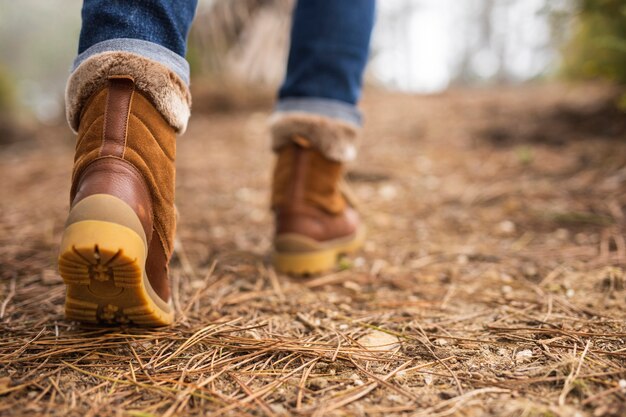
[492, 284]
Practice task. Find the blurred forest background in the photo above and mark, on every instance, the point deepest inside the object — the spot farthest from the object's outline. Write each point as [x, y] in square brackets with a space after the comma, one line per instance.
[422, 46]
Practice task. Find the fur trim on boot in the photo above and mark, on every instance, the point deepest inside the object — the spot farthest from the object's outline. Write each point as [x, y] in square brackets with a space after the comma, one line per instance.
[169, 94]
[335, 139]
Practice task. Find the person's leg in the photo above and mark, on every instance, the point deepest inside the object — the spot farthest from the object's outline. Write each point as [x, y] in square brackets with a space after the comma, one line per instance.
[136, 38]
[127, 97]
[164, 23]
[328, 53]
[315, 129]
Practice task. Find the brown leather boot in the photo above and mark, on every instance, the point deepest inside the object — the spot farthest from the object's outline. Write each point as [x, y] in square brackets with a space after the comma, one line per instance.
[314, 221]
[119, 235]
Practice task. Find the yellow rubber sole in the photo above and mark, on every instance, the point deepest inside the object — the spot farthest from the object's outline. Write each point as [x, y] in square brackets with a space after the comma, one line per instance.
[308, 257]
[103, 266]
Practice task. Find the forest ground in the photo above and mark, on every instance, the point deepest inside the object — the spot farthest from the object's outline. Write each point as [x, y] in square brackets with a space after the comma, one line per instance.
[493, 281]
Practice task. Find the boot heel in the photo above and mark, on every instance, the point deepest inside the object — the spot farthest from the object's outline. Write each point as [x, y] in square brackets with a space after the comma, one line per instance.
[103, 265]
[300, 255]
[310, 263]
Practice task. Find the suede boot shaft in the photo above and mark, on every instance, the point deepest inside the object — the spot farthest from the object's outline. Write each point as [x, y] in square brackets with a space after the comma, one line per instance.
[127, 149]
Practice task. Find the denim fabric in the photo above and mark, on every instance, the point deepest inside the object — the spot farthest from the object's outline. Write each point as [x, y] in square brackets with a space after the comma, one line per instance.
[329, 49]
[327, 57]
[164, 22]
[158, 53]
[334, 109]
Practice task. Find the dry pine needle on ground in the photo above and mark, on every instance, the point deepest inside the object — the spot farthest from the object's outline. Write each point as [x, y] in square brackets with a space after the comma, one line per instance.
[493, 281]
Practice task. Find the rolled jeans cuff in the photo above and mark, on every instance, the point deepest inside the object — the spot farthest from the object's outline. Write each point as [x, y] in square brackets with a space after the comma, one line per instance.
[150, 50]
[331, 126]
[333, 109]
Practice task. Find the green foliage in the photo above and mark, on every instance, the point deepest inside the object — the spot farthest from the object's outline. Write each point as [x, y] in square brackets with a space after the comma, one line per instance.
[524, 154]
[7, 91]
[598, 48]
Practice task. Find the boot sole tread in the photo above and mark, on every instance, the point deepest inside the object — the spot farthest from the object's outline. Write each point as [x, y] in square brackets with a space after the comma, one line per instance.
[103, 266]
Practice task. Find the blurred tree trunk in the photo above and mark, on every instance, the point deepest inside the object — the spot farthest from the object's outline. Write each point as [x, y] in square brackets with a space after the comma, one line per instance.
[245, 39]
[484, 28]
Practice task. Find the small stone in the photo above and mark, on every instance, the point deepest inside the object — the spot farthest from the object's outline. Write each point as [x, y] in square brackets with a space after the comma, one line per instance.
[441, 342]
[356, 379]
[506, 227]
[523, 356]
[395, 398]
[401, 376]
[359, 262]
[507, 289]
[569, 293]
[428, 379]
[387, 192]
[379, 341]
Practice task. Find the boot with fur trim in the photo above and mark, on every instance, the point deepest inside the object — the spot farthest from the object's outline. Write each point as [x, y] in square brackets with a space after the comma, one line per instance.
[119, 234]
[315, 223]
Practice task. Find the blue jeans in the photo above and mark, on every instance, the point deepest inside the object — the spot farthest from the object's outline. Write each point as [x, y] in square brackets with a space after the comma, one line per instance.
[327, 57]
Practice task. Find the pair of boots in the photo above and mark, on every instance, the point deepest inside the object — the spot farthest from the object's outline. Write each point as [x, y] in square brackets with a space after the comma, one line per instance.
[119, 235]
